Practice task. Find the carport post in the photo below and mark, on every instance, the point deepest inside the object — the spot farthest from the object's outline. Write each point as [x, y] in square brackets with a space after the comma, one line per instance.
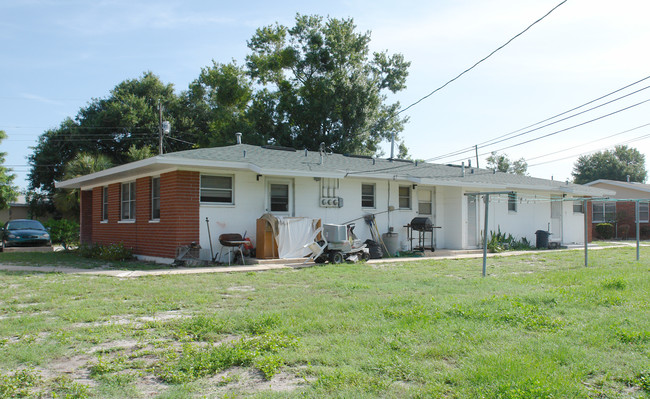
[584, 211]
[638, 229]
[485, 229]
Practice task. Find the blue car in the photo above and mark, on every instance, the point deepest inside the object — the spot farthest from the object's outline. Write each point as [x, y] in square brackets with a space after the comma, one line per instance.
[25, 233]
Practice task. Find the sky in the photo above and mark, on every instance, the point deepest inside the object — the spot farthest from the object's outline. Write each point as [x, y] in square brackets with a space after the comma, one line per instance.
[56, 55]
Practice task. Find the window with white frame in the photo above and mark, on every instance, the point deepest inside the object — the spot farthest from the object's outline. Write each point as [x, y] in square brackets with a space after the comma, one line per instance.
[644, 212]
[577, 207]
[368, 196]
[279, 197]
[104, 203]
[155, 198]
[425, 202]
[128, 201]
[512, 202]
[603, 212]
[217, 189]
[404, 197]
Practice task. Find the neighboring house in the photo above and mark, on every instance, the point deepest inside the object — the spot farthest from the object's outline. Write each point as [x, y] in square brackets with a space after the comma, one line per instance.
[18, 209]
[622, 213]
[158, 204]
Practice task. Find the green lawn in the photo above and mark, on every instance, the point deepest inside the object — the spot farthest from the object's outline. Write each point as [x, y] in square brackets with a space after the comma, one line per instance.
[540, 325]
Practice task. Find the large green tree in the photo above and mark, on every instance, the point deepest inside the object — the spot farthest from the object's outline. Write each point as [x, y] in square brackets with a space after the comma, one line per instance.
[321, 84]
[110, 126]
[316, 82]
[220, 100]
[8, 192]
[615, 164]
[502, 163]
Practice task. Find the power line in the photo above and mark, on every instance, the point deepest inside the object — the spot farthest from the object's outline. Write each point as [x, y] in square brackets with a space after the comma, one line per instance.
[574, 126]
[494, 140]
[590, 142]
[646, 136]
[575, 108]
[566, 118]
[481, 60]
[563, 130]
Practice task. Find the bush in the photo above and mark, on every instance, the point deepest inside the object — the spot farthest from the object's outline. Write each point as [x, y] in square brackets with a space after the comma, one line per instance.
[65, 232]
[645, 231]
[499, 242]
[605, 231]
[106, 252]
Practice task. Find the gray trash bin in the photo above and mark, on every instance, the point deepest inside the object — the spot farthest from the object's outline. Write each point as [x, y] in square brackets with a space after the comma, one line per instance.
[542, 239]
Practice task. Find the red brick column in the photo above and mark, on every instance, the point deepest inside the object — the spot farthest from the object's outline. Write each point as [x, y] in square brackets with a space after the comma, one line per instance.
[86, 217]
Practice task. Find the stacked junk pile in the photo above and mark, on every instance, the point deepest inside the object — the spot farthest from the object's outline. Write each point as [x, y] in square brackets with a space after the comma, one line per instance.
[300, 237]
[337, 243]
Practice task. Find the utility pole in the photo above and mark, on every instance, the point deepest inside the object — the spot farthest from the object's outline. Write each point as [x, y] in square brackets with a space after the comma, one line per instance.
[476, 151]
[160, 129]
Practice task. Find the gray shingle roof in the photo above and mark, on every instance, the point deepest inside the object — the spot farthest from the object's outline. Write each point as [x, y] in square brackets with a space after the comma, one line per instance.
[291, 162]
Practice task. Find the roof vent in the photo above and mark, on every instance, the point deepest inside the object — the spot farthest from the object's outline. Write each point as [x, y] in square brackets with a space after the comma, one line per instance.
[238, 135]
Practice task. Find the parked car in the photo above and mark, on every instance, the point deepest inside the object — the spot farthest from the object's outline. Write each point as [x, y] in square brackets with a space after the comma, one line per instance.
[25, 233]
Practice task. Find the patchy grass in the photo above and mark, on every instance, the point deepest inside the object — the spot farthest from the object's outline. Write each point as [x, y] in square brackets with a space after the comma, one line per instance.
[72, 259]
[539, 326]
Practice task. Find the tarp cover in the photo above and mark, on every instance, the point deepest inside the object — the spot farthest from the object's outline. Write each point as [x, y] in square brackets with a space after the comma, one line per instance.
[293, 234]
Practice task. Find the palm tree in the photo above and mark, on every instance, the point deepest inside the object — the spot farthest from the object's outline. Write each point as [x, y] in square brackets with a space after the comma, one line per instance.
[67, 201]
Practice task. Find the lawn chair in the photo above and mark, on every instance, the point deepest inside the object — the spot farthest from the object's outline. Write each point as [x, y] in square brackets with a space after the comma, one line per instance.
[232, 242]
[317, 247]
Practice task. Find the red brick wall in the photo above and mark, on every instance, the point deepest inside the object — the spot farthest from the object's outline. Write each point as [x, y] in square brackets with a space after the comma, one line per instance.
[86, 217]
[626, 220]
[179, 216]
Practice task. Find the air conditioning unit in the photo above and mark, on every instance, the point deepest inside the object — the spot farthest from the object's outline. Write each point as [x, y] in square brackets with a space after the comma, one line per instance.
[335, 232]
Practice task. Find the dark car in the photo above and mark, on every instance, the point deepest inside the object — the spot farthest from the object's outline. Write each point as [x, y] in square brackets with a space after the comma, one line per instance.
[25, 233]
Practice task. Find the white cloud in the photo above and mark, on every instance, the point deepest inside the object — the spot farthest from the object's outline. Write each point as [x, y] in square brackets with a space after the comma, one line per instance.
[40, 99]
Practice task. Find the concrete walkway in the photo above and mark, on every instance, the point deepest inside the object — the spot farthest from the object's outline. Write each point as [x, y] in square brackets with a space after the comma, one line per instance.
[281, 263]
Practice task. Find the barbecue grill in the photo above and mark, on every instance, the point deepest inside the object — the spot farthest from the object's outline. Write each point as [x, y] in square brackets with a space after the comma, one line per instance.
[422, 225]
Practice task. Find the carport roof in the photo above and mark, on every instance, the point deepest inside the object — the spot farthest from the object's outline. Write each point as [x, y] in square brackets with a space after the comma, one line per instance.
[282, 161]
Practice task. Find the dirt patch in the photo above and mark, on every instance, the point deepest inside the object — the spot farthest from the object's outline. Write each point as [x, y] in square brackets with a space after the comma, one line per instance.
[150, 386]
[238, 380]
[77, 368]
[242, 288]
[116, 345]
[137, 322]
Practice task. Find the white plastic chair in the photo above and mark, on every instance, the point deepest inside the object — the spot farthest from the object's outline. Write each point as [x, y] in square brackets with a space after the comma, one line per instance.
[316, 248]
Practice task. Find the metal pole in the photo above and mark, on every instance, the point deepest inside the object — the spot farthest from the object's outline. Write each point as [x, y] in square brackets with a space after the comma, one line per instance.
[636, 213]
[160, 129]
[485, 232]
[584, 211]
[476, 149]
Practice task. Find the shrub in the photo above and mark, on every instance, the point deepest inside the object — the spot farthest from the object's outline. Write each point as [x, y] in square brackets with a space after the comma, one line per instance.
[65, 232]
[645, 231]
[605, 230]
[499, 242]
[106, 252]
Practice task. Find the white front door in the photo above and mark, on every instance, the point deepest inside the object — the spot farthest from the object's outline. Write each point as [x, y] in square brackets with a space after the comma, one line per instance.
[279, 197]
[472, 221]
[556, 218]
